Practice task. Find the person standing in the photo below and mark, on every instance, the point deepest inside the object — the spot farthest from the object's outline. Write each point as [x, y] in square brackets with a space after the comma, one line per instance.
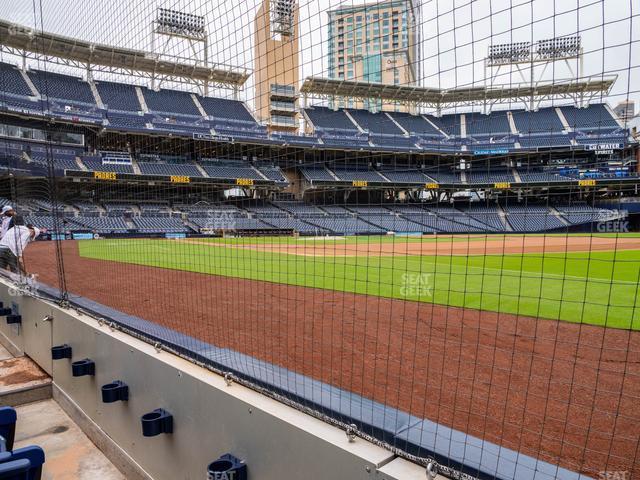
[7, 214]
[12, 247]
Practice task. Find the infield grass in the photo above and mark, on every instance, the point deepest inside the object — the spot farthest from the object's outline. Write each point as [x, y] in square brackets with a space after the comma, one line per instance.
[598, 288]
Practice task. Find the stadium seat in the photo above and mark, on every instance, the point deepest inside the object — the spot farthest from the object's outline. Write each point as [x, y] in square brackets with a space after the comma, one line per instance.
[8, 418]
[62, 87]
[22, 464]
[13, 82]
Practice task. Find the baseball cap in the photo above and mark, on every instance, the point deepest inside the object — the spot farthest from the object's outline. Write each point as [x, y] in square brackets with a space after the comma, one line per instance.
[6, 209]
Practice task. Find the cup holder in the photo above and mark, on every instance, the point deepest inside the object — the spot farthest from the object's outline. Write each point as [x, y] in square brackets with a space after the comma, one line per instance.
[14, 319]
[83, 367]
[60, 351]
[227, 466]
[4, 311]
[157, 422]
[116, 391]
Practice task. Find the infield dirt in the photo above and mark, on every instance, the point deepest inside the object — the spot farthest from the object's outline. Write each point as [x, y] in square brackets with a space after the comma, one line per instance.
[563, 392]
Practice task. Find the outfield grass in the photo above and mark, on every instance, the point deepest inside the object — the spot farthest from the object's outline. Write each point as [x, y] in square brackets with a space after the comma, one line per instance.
[599, 288]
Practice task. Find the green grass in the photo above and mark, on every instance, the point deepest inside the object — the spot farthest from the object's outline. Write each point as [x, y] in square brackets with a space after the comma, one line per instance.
[598, 288]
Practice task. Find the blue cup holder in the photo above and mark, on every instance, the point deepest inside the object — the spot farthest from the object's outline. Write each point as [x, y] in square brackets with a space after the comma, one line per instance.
[14, 319]
[227, 466]
[115, 392]
[5, 311]
[60, 351]
[157, 422]
[83, 367]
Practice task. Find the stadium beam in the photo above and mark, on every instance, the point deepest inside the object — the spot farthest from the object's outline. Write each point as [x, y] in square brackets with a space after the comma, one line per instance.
[26, 42]
[573, 89]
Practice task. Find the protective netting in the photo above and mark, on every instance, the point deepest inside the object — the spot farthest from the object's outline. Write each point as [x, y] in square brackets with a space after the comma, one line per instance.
[412, 219]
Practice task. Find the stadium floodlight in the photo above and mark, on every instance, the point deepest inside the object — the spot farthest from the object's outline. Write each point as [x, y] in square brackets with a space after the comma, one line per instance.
[173, 22]
[282, 17]
[550, 49]
[558, 48]
[507, 53]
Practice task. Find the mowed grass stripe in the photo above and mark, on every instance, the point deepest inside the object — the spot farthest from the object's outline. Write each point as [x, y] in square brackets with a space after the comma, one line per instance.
[599, 288]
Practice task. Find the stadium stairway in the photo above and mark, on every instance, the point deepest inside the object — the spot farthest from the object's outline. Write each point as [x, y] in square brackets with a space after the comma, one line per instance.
[68, 452]
[202, 171]
[503, 218]
[558, 215]
[28, 81]
[96, 94]
[135, 166]
[21, 380]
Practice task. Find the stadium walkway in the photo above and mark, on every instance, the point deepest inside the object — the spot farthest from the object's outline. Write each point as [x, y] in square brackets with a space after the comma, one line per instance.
[70, 455]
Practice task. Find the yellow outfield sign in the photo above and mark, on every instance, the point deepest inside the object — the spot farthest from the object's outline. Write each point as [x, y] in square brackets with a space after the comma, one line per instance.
[360, 183]
[432, 186]
[587, 183]
[180, 179]
[105, 175]
[244, 182]
[502, 185]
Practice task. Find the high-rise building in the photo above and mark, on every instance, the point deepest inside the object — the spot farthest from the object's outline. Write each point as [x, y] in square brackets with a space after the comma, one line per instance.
[277, 64]
[376, 42]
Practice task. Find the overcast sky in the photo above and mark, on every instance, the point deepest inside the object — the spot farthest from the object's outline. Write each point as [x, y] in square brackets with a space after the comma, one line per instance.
[455, 33]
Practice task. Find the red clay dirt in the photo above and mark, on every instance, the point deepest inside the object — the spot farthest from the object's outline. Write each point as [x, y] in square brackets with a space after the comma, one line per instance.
[565, 393]
[473, 246]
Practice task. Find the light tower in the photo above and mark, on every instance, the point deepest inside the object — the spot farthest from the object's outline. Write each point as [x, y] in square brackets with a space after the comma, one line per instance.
[277, 64]
[172, 27]
[532, 60]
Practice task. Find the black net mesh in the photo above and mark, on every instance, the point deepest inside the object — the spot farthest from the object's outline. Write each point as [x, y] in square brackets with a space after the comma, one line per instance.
[415, 220]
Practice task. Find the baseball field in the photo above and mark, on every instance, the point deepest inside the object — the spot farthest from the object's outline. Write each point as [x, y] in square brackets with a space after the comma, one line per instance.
[591, 279]
[528, 341]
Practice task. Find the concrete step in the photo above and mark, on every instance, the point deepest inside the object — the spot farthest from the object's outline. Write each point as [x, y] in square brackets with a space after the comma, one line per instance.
[21, 380]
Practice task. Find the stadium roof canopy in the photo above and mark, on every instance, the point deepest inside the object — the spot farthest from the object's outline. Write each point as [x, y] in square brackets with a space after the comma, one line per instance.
[580, 90]
[25, 42]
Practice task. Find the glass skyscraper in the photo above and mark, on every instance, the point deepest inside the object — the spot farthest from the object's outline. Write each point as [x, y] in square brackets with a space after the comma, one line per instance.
[375, 42]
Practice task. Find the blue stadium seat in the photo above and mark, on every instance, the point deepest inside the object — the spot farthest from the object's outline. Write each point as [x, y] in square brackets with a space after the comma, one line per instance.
[167, 169]
[375, 122]
[62, 87]
[545, 120]
[479, 175]
[222, 108]
[123, 121]
[13, 82]
[594, 117]
[416, 124]
[170, 101]
[119, 96]
[350, 174]
[317, 174]
[226, 170]
[22, 464]
[324, 118]
[159, 225]
[405, 176]
[450, 124]
[496, 123]
[8, 418]
[544, 141]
